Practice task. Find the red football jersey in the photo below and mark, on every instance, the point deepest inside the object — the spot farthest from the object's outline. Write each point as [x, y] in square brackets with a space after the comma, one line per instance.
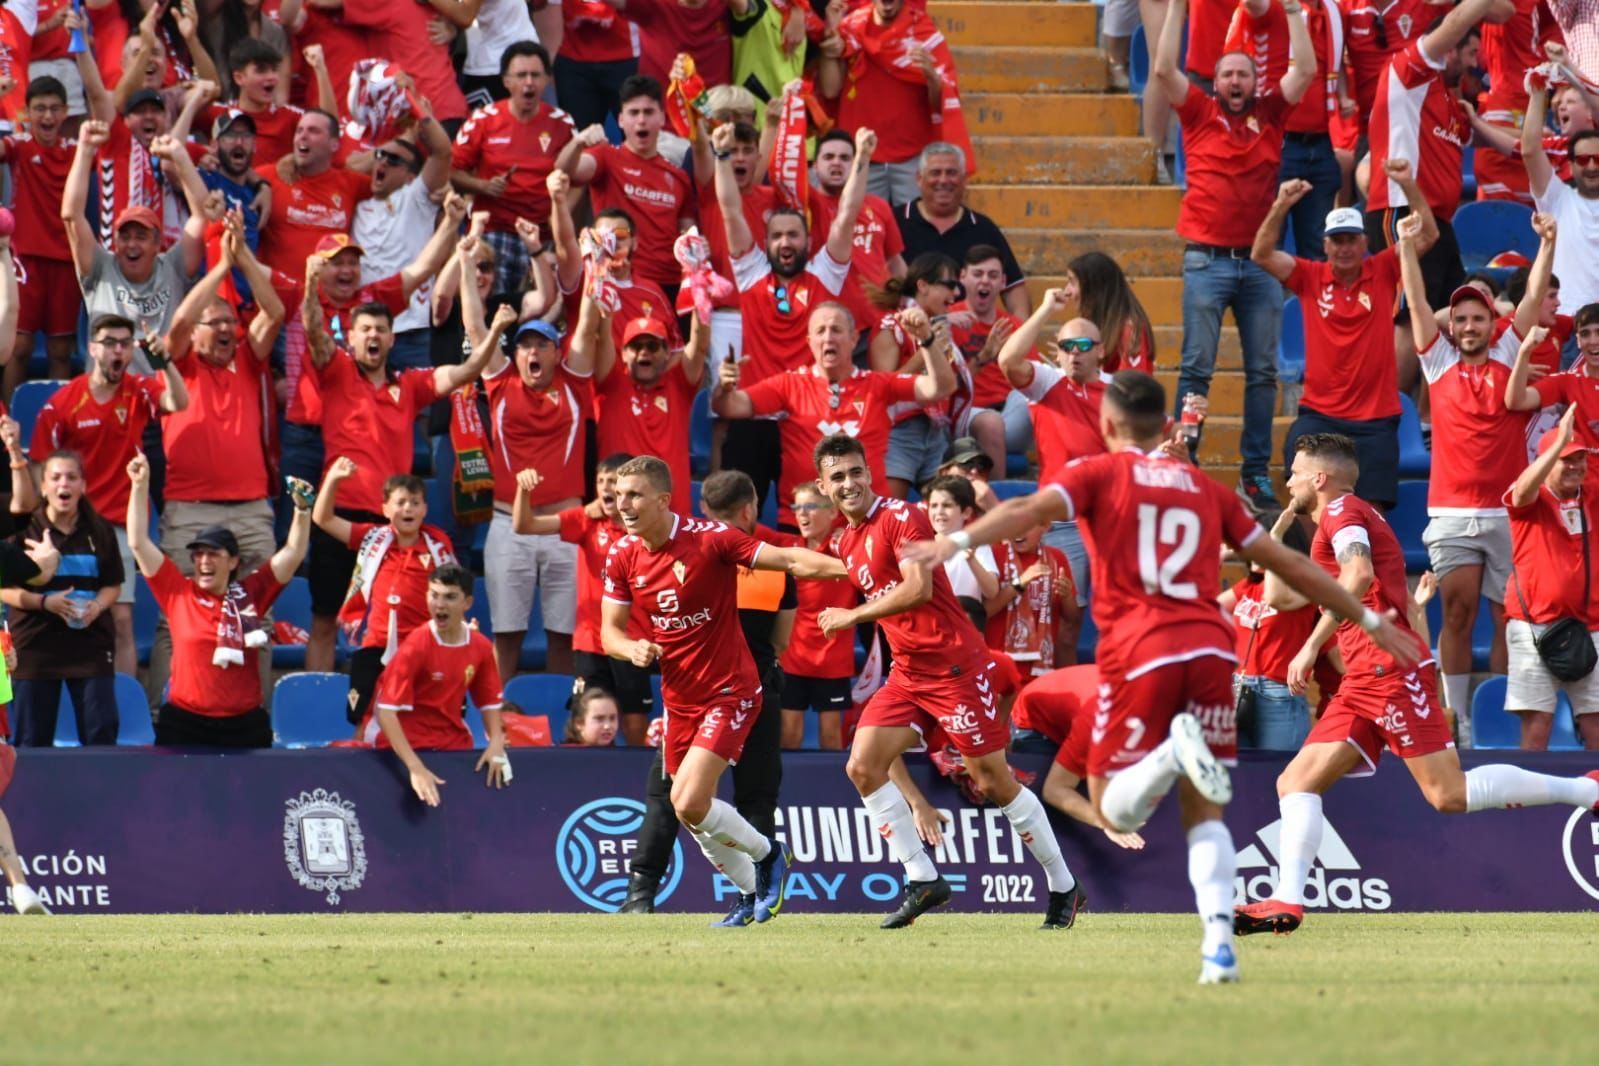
[594, 538]
[1349, 338]
[1546, 543]
[1546, 356]
[492, 142]
[1154, 528]
[38, 180]
[1478, 447]
[106, 434]
[371, 424]
[776, 310]
[1581, 388]
[652, 421]
[990, 386]
[540, 430]
[929, 639]
[427, 682]
[1061, 705]
[857, 406]
[1416, 117]
[1268, 639]
[1351, 520]
[199, 685]
[687, 591]
[397, 600]
[1232, 167]
[655, 194]
[1065, 417]
[1404, 21]
[303, 212]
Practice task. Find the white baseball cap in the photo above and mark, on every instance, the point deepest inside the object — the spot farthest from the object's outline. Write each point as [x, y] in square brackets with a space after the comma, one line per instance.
[1344, 220]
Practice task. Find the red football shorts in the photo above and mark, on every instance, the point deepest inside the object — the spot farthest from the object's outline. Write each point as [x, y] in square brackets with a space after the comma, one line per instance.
[8, 765]
[48, 297]
[720, 728]
[964, 705]
[1135, 714]
[1400, 710]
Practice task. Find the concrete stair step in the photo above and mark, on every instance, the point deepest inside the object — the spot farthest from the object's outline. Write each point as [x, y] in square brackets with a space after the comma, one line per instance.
[1038, 25]
[1139, 251]
[1219, 445]
[1012, 69]
[1169, 349]
[1077, 206]
[1050, 114]
[1065, 160]
[1162, 297]
[1226, 391]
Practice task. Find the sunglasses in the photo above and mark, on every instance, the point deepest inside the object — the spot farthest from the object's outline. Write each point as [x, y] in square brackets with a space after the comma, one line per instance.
[1587, 159]
[1076, 344]
[383, 155]
[780, 294]
[485, 268]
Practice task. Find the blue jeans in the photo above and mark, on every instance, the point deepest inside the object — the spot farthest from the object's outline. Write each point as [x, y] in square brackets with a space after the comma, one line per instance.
[1282, 720]
[1314, 162]
[37, 703]
[1211, 284]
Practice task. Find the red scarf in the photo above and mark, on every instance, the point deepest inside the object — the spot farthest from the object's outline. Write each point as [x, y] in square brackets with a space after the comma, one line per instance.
[890, 47]
[686, 100]
[473, 494]
[787, 168]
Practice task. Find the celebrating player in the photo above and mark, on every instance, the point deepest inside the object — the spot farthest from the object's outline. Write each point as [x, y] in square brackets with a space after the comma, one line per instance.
[941, 674]
[684, 572]
[1380, 701]
[1165, 653]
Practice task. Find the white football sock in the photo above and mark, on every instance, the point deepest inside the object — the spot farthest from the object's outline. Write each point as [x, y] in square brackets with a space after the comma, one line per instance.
[1031, 822]
[1132, 795]
[732, 862]
[729, 827]
[892, 818]
[1298, 842]
[1502, 785]
[1211, 866]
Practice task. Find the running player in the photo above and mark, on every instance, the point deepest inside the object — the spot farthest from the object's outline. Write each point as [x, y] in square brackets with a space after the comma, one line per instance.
[941, 674]
[1155, 526]
[1379, 702]
[684, 573]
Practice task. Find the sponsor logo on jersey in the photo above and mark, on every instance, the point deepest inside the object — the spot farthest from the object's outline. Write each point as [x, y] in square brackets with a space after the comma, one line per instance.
[1333, 881]
[594, 847]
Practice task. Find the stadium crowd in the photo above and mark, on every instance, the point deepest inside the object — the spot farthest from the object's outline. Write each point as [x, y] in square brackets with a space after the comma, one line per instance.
[378, 297]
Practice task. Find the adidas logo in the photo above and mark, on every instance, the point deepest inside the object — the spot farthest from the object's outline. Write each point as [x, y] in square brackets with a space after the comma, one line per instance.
[1323, 888]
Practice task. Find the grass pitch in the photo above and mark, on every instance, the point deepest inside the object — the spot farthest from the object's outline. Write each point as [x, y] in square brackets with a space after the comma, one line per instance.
[983, 989]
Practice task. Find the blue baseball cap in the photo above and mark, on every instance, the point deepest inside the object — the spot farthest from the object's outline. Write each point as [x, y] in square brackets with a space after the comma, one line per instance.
[542, 328]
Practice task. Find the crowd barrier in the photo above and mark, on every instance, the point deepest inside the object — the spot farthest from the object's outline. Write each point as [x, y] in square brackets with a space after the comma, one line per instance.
[119, 831]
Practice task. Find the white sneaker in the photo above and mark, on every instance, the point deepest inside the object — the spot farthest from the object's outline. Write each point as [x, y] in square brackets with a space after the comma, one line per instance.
[1197, 763]
[27, 901]
[1220, 968]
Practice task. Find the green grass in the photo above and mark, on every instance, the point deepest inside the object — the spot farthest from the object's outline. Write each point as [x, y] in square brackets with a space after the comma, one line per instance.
[975, 989]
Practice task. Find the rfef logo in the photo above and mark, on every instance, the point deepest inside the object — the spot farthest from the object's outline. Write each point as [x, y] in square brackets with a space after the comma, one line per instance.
[1581, 850]
[594, 847]
[1323, 888]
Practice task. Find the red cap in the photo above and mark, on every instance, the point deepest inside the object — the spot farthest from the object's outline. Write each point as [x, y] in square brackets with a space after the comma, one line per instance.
[334, 243]
[1471, 292]
[139, 214]
[643, 327]
[1548, 439]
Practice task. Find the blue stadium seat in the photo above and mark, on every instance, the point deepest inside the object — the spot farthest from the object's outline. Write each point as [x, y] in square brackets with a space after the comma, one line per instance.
[146, 616]
[694, 490]
[1485, 228]
[308, 710]
[1491, 727]
[1414, 458]
[1563, 737]
[1291, 347]
[1179, 170]
[1087, 639]
[699, 434]
[293, 605]
[1016, 464]
[544, 694]
[1138, 62]
[66, 724]
[480, 608]
[655, 691]
[1408, 519]
[1006, 490]
[133, 713]
[441, 510]
[812, 740]
[474, 724]
[27, 401]
[1482, 632]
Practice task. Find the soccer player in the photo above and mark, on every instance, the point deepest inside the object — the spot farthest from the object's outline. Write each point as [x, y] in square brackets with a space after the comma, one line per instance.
[684, 572]
[1380, 701]
[941, 674]
[1166, 654]
[421, 699]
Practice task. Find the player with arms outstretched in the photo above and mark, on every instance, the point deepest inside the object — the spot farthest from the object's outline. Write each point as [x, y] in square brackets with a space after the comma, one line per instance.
[1155, 526]
[1380, 701]
[942, 674]
[683, 574]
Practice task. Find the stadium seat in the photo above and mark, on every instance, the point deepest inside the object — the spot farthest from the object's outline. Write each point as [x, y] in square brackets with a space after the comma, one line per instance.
[1491, 727]
[293, 605]
[1482, 633]
[1291, 346]
[1414, 458]
[1563, 737]
[474, 724]
[26, 402]
[1087, 638]
[659, 703]
[1468, 174]
[699, 434]
[133, 713]
[1138, 62]
[1408, 519]
[1017, 465]
[479, 611]
[308, 710]
[812, 740]
[1006, 490]
[66, 723]
[1485, 228]
[545, 694]
[146, 617]
[695, 488]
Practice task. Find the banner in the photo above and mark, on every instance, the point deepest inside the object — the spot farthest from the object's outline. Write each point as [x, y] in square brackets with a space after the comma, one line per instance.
[118, 831]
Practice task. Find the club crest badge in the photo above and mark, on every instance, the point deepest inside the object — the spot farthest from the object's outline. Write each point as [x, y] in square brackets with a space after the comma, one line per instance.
[322, 843]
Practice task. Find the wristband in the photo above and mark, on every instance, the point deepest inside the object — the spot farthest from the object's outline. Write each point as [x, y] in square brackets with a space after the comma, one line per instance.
[1370, 620]
[961, 539]
[1017, 586]
[721, 155]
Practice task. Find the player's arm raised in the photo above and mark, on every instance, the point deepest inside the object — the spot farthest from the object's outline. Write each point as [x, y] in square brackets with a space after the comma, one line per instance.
[615, 641]
[800, 563]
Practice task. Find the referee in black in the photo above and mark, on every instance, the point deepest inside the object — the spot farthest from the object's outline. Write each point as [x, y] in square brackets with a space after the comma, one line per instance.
[766, 603]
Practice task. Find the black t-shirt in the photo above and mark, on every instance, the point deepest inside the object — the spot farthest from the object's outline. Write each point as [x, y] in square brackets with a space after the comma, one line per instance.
[90, 560]
[921, 236]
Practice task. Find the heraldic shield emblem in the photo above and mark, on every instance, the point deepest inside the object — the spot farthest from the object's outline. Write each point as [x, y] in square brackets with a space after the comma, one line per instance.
[322, 843]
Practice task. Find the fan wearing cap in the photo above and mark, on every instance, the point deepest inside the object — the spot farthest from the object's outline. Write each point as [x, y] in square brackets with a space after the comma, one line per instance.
[368, 409]
[234, 144]
[218, 624]
[538, 403]
[646, 402]
[1478, 447]
[135, 279]
[1551, 516]
[102, 415]
[1348, 300]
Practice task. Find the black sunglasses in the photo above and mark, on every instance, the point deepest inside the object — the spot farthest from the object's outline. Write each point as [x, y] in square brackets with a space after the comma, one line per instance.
[383, 155]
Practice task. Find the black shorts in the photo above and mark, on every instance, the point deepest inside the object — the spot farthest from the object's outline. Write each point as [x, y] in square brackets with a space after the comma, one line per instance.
[1376, 444]
[332, 564]
[1440, 267]
[628, 683]
[816, 693]
[366, 667]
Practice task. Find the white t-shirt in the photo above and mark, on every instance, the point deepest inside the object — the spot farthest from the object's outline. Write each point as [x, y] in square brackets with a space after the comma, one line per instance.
[959, 571]
[392, 232]
[499, 24]
[1575, 264]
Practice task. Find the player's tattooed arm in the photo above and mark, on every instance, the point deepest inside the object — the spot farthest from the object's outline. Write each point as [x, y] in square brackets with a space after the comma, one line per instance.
[1350, 552]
